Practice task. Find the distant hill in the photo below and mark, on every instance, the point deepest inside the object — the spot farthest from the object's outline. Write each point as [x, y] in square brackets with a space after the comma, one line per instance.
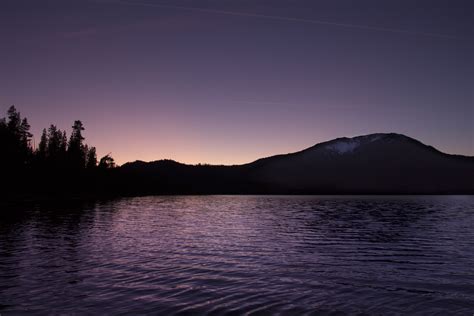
[370, 164]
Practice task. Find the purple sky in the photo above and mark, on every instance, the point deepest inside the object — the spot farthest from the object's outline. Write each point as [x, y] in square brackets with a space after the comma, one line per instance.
[227, 82]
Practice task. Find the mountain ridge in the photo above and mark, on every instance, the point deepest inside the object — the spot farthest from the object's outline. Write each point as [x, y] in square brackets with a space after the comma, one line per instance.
[315, 146]
[381, 163]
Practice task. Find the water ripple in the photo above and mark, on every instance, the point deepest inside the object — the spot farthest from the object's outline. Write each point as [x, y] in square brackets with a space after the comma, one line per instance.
[240, 255]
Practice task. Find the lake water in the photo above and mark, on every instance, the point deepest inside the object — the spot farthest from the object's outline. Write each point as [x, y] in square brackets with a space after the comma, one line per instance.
[221, 255]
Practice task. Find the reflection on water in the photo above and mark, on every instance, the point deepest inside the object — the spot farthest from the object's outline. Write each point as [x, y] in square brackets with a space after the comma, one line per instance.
[240, 254]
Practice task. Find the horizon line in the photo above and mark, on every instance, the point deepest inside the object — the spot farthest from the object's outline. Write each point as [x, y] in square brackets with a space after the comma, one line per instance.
[295, 152]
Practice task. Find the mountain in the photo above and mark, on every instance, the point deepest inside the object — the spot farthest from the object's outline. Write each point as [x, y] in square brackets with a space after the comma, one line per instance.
[370, 164]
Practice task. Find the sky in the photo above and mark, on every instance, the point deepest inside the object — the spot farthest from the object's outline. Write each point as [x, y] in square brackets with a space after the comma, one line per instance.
[231, 81]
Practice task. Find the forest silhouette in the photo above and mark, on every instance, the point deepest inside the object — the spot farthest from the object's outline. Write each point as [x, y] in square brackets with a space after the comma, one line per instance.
[59, 164]
[65, 166]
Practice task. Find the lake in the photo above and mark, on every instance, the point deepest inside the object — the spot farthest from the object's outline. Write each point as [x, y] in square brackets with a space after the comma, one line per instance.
[232, 255]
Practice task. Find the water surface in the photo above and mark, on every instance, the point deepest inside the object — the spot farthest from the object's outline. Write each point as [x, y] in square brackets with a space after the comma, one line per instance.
[221, 255]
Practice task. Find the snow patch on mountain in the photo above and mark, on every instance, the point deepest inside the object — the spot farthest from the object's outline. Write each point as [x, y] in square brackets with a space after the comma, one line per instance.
[343, 146]
[373, 138]
[348, 145]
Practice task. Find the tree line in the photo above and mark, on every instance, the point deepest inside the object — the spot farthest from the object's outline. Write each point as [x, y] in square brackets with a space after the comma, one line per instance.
[55, 150]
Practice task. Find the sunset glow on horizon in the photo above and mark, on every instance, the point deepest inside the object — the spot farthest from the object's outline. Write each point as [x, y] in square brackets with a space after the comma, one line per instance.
[228, 83]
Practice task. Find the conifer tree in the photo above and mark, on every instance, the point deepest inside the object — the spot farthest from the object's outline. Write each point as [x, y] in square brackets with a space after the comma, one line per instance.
[43, 146]
[76, 154]
[16, 139]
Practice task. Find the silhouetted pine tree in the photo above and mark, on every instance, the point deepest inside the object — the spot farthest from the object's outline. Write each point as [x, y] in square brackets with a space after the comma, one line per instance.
[75, 152]
[14, 120]
[53, 144]
[43, 144]
[25, 137]
[15, 138]
[41, 152]
[63, 144]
